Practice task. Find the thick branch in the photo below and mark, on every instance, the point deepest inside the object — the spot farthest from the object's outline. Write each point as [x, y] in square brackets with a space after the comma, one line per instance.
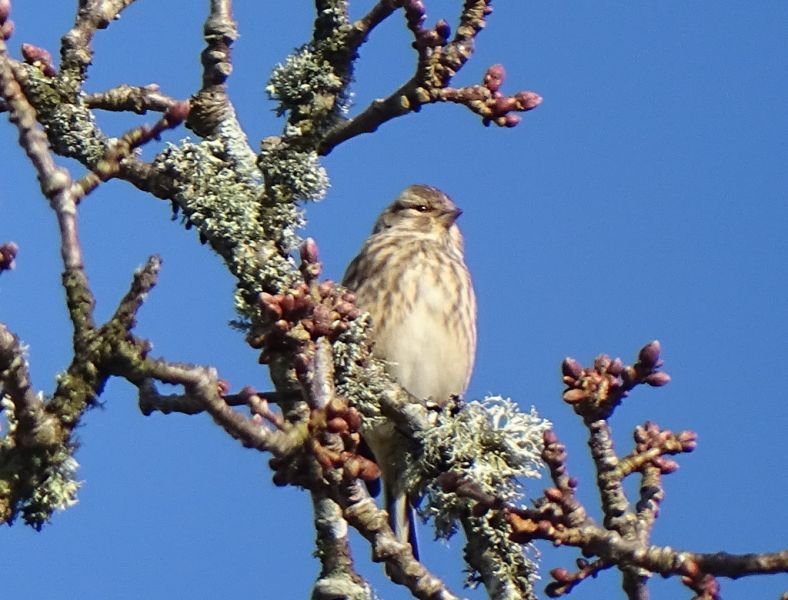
[211, 108]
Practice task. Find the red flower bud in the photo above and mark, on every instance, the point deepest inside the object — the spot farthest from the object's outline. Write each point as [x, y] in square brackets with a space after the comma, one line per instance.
[571, 368]
[443, 29]
[553, 494]
[511, 121]
[549, 437]
[309, 251]
[5, 10]
[574, 395]
[649, 355]
[494, 77]
[337, 425]
[40, 57]
[6, 30]
[658, 379]
[528, 100]
[615, 367]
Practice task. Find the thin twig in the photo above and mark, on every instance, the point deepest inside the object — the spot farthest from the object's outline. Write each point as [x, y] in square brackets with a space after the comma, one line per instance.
[76, 53]
[364, 26]
[128, 98]
[54, 181]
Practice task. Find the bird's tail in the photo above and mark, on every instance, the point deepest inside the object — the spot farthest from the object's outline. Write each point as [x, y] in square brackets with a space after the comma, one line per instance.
[402, 518]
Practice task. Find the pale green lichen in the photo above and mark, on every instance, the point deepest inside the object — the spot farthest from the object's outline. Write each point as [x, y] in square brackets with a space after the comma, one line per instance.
[292, 174]
[57, 491]
[306, 83]
[71, 127]
[11, 421]
[227, 205]
[53, 486]
[359, 377]
[493, 444]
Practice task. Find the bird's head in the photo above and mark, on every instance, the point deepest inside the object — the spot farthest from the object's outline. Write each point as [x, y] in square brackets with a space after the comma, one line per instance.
[421, 209]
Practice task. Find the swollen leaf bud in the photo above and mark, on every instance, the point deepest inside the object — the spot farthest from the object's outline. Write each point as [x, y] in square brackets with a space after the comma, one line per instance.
[649, 355]
[571, 368]
[658, 379]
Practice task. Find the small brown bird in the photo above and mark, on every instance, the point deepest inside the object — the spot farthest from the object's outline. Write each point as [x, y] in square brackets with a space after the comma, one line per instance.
[410, 275]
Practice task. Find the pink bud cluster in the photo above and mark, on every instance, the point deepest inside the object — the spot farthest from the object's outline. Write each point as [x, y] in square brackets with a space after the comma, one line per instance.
[649, 436]
[597, 390]
[336, 418]
[415, 15]
[344, 420]
[501, 107]
[301, 315]
[40, 58]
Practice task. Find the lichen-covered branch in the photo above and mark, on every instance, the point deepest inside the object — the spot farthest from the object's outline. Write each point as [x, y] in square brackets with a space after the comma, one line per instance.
[244, 204]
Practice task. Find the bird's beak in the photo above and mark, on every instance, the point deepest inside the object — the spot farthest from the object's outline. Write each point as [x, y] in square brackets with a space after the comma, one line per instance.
[450, 216]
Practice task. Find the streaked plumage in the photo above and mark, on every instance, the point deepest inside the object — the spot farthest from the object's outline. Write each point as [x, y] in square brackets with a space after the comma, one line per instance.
[410, 275]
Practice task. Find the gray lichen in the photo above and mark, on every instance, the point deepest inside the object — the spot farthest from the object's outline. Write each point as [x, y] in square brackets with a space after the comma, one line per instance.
[227, 205]
[359, 377]
[57, 491]
[493, 444]
[305, 84]
[53, 487]
[292, 174]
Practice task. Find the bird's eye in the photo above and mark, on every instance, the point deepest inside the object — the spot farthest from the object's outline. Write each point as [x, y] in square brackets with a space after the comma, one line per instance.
[422, 208]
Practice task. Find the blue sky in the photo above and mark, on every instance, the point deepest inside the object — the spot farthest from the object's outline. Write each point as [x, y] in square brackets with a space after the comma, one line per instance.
[646, 198]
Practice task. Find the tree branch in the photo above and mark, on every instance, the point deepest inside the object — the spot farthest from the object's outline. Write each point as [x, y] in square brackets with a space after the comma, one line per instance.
[438, 62]
[128, 98]
[75, 52]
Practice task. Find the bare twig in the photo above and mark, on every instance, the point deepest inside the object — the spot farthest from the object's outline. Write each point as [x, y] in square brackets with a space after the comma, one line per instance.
[364, 26]
[76, 53]
[202, 385]
[123, 148]
[189, 405]
[372, 523]
[439, 60]
[130, 98]
[54, 181]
